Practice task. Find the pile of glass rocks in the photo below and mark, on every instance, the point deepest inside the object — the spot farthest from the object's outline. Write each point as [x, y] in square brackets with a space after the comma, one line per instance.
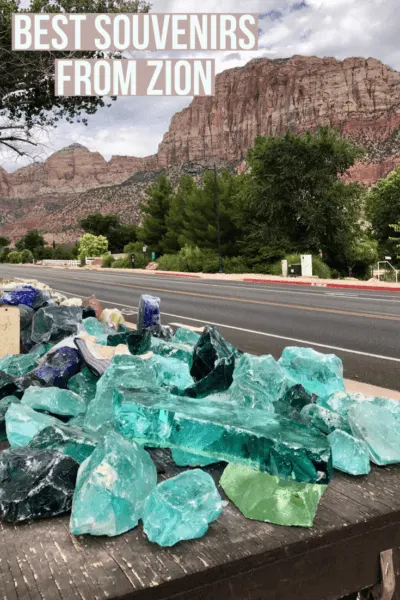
[89, 399]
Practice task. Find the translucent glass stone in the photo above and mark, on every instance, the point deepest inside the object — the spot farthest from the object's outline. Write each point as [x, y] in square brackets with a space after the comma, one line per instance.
[186, 336]
[379, 429]
[171, 349]
[99, 330]
[267, 498]
[149, 313]
[349, 454]
[72, 441]
[18, 364]
[84, 384]
[54, 400]
[4, 404]
[209, 349]
[35, 483]
[319, 374]
[23, 423]
[324, 419]
[111, 488]
[181, 508]
[188, 459]
[54, 323]
[222, 431]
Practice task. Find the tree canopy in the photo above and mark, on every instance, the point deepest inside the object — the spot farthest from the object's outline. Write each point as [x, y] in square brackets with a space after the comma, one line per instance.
[92, 245]
[30, 241]
[383, 210]
[117, 234]
[27, 90]
[155, 209]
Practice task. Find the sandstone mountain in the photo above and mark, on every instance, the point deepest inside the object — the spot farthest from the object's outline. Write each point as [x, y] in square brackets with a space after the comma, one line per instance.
[360, 97]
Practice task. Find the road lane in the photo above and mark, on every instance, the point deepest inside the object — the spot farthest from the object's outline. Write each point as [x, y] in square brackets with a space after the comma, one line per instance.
[365, 324]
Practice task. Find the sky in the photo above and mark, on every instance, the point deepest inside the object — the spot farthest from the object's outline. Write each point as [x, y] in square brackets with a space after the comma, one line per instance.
[134, 126]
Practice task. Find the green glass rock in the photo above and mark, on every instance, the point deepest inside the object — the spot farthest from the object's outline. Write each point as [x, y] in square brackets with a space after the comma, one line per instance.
[187, 459]
[40, 350]
[219, 380]
[209, 349]
[171, 372]
[324, 419]
[379, 429]
[35, 483]
[18, 364]
[54, 400]
[186, 336]
[4, 404]
[111, 488]
[9, 385]
[171, 349]
[263, 497]
[99, 330]
[222, 431]
[71, 441]
[319, 374]
[258, 381]
[181, 508]
[84, 384]
[55, 323]
[349, 454]
[23, 423]
[139, 342]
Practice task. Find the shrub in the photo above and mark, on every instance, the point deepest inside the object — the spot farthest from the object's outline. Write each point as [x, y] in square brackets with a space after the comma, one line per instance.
[122, 263]
[320, 269]
[26, 256]
[169, 262]
[235, 264]
[14, 258]
[107, 261]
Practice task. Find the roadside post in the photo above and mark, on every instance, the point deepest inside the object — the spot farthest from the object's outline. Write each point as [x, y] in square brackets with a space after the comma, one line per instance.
[132, 261]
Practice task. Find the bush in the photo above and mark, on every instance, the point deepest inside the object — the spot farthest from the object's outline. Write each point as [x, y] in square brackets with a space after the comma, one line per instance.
[122, 263]
[26, 256]
[169, 262]
[108, 261]
[235, 264]
[15, 258]
[320, 269]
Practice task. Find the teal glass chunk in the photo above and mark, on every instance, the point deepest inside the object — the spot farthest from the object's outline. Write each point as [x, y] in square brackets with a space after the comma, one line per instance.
[263, 497]
[210, 348]
[170, 372]
[83, 384]
[71, 441]
[23, 423]
[324, 419]
[181, 508]
[171, 349]
[40, 350]
[341, 402]
[188, 459]
[220, 430]
[111, 488]
[319, 374]
[379, 429]
[4, 404]
[186, 336]
[99, 330]
[123, 370]
[258, 381]
[219, 380]
[349, 454]
[18, 364]
[54, 400]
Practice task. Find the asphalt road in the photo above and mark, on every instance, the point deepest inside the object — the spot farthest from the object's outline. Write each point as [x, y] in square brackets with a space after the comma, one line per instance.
[362, 327]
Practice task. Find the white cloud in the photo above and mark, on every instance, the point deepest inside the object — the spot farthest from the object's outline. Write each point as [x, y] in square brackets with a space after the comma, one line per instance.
[340, 28]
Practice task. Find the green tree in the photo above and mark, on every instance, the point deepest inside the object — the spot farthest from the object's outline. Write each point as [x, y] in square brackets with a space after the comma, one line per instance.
[27, 90]
[155, 210]
[4, 242]
[109, 226]
[14, 257]
[294, 200]
[31, 240]
[43, 252]
[383, 208]
[26, 256]
[175, 218]
[363, 254]
[92, 245]
[396, 228]
[200, 221]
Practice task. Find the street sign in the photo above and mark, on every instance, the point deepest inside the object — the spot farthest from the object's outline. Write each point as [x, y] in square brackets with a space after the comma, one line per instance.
[388, 258]
[144, 249]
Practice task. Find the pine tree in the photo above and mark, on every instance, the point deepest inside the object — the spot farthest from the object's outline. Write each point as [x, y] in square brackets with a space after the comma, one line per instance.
[155, 210]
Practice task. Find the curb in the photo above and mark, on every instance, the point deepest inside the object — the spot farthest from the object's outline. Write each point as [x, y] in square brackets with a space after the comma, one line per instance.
[342, 286]
[175, 274]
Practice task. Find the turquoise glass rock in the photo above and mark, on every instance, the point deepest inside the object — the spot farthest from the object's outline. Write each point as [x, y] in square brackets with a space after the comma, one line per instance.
[263, 497]
[379, 429]
[210, 348]
[349, 454]
[181, 508]
[40, 350]
[171, 372]
[84, 384]
[4, 405]
[258, 381]
[186, 336]
[341, 402]
[319, 374]
[324, 419]
[222, 431]
[99, 330]
[55, 323]
[123, 370]
[23, 423]
[18, 364]
[54, 400]
[71, 441]
[188, 459]
[171, 349]
[219, 380]
[111, 488]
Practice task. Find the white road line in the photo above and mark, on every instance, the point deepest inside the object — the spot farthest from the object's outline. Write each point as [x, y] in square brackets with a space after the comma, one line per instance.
[271, 335]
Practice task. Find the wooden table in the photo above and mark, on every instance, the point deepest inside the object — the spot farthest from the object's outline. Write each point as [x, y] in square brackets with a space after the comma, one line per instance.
[237, 559]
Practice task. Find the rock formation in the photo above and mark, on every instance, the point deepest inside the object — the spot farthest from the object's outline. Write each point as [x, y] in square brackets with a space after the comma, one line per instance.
[360, 97]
